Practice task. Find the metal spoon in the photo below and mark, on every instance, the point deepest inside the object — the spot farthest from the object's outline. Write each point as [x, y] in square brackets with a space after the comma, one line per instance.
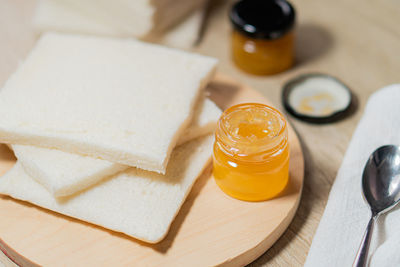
[381, 189]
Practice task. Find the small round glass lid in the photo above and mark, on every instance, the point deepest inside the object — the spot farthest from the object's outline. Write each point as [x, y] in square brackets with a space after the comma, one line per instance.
[317, 98]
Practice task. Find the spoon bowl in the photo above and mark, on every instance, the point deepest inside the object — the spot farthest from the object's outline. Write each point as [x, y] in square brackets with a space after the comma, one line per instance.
[381, 179]
[381, 189]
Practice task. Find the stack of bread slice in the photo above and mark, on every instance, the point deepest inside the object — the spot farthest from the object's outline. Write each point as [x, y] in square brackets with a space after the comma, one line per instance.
[110, 131]
[172, 22]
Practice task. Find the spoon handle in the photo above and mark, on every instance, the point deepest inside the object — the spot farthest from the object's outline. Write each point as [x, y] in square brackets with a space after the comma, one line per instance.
[362, 254]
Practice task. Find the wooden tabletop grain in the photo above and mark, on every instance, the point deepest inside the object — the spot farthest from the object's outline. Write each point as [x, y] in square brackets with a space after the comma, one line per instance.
[355, 40]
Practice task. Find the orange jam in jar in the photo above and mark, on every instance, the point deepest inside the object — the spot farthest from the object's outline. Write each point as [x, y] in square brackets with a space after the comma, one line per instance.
[263, 38]
[251, 153]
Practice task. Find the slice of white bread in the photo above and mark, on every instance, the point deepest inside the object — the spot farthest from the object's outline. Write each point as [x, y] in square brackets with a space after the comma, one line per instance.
[204, 121]
[120, 100]
[63, 173]
[185, 34]
[125, 18]
[138, 203]
[53, 15]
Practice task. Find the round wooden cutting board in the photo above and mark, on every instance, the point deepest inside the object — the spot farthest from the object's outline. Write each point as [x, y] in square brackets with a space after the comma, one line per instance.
[210, 229]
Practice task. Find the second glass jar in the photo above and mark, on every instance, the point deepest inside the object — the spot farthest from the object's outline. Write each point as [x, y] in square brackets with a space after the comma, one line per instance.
[263, 36]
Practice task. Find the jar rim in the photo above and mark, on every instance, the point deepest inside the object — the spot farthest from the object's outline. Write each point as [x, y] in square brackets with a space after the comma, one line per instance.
[263, 19]
[268, 145]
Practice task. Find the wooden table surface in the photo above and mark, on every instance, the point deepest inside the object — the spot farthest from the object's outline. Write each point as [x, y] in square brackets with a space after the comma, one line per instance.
[354, 40]
[357, 41]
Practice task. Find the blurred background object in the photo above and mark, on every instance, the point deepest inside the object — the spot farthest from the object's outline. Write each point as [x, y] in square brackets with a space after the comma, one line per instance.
[263, 39]
[175, 23]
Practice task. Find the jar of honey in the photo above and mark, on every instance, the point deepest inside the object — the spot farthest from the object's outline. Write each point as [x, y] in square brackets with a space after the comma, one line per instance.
[251, 152]
[263, 38]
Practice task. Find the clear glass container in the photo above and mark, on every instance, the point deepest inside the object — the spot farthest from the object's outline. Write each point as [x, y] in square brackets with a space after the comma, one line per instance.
[251, 152]
[263, 36]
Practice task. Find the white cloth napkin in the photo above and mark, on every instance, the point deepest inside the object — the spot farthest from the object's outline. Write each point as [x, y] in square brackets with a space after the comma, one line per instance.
[346, 215]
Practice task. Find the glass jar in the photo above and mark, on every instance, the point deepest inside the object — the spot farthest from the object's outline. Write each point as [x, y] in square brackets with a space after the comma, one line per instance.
[263, 38]
[251, 152]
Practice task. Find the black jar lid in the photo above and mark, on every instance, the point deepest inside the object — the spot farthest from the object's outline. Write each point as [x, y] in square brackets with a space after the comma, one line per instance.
[263, 19]
[318, 98]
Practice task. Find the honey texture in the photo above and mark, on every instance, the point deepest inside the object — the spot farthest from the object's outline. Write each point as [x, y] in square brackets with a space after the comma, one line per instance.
[262, 56]
[251, 152]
